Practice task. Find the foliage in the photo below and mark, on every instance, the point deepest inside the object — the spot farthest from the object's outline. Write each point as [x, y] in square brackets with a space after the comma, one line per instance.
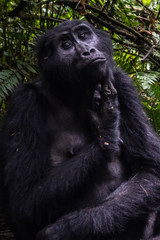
[8, 79]
[132, 24]
[149, 88]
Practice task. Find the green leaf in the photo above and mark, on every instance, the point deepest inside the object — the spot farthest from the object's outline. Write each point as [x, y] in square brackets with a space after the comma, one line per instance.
[8, 80]
[146, 2]
[31, 69]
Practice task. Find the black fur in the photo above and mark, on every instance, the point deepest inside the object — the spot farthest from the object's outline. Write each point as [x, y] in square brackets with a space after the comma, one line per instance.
[80, 158]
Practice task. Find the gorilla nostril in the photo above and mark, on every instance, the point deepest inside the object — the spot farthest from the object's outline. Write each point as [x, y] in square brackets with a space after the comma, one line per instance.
[86, 53]
[92, 50]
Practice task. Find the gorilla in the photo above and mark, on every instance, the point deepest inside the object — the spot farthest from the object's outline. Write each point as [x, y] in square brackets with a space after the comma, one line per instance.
[80, 159]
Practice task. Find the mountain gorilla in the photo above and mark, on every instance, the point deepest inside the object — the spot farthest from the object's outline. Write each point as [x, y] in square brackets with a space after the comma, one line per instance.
[80, 158]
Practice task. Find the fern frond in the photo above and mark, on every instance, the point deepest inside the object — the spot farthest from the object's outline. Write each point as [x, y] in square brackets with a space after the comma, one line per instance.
[149, 82]
[9, 78]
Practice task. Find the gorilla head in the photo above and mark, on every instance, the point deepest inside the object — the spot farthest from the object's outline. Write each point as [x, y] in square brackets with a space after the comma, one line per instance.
[74, 53]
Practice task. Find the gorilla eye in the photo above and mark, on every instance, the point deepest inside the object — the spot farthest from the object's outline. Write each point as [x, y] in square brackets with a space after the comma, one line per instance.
[66, 44]
[83, 35]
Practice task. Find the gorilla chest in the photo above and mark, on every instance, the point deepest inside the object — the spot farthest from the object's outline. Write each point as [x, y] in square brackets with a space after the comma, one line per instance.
[66, 145]
[68, 138]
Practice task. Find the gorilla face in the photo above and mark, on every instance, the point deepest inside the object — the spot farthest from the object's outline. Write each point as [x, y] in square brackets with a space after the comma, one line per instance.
[75, 53]
[79, 49]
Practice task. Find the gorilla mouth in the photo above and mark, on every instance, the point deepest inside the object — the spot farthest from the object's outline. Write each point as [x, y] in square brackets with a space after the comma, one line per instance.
[96, 60]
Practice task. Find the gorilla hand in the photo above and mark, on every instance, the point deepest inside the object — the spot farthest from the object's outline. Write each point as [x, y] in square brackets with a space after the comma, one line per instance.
[71, 226]
[105, 121]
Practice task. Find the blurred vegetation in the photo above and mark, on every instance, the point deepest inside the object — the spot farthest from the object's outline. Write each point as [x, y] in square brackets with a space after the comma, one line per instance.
[134, 26]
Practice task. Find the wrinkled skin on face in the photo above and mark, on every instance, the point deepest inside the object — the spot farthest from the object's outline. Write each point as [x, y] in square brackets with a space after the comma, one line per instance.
[79, 50]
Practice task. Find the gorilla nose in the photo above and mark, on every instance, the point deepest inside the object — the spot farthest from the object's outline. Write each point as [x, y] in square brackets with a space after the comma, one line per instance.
[87, 53]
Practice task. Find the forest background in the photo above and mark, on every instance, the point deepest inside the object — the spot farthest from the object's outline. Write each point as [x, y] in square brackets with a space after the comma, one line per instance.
[134, 26]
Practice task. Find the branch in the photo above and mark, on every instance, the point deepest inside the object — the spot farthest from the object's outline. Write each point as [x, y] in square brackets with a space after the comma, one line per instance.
[112, 24]
[111, 27]
[136, 35]
[124, 43]
[139, 49]
[158, 14]
[150, 50]
[107, 17]
[52, 19]
[105, 5]
[150, 58]
[144, 6]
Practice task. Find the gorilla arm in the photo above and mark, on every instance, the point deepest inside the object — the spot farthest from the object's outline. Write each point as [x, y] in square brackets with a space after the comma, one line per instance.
[133, 198]
[31, 172]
